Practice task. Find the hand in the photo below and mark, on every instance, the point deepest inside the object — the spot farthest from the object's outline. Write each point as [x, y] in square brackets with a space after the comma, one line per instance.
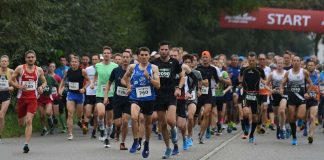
[306, 96]
[146, 74]
[199, 93]
[92, 86]
[177, 92]
[11, 88]
[40, 89]
[106, 101]
[82, 90]
[188, 95]
[129, 89]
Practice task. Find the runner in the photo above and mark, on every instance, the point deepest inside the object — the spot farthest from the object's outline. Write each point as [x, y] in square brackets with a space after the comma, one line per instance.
[166, 102]
[296, 79]
[118, 58]
[141, 85]
[103, 72]
[90, 99]
[279, 101]
[250, 78]
[121, 104]
[60, 71]
[28, 75]
[57, 108]
[191, 92]
[208, 73]
[45, 103]
[5, 89]
[312, 98]
[85, 59]
[75, 77]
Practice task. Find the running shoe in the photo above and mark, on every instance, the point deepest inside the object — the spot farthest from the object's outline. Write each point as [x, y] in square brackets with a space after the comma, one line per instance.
[123, 147]
[146, 151]
[251, 140]
[133, 149]
[63, 130]
[102, 135]
[284, 134]
[310, 140]
[44, 132]
[201, 140]
[107, 143]
[234, 128]
[26, 148]
[185, 144]
[262, 130]
[190, 141]
[139, 147]
[305, 134]
[167, 154]
[70, 137]
[294, 141]
[93, 134]
[80, 124]
[272, 127]
[175, 151]
[278, 134]
[85, 129]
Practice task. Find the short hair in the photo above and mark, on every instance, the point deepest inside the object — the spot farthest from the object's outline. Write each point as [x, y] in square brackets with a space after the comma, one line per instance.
[143, 49]
[128, 53]
[62, 57]
[118, 54]
[86, 55]
[188, 56]
[95, 55]
[251, 54]
[195, 55]
[106, 47]
[310, 60]
[76, 57]
[5, 56]
[234, 56]
[162, 43]
[30, 51]
[262, 54]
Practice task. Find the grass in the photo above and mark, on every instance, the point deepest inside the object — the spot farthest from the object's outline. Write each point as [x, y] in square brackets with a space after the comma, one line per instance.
[12, 128]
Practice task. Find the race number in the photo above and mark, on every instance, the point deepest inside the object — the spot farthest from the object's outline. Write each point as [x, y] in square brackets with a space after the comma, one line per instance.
[251, 96]
[29, 85]
[121, 91]
[143, 92]
[74, 86]
[204, 90]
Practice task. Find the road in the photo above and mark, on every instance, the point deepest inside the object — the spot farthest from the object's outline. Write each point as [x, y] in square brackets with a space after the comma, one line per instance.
[227, 146]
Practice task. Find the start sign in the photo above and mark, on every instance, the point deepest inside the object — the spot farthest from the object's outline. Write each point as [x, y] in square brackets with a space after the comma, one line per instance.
[277, 19]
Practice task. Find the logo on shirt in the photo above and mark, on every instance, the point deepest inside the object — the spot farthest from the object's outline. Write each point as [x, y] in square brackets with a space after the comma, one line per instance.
[165, 72]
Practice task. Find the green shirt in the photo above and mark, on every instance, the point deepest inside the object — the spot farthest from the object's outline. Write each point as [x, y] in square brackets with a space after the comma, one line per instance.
[221, 86]
[51, 82]
[104, 71]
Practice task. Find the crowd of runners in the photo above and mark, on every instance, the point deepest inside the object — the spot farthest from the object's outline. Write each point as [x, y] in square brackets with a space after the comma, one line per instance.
[166, 93]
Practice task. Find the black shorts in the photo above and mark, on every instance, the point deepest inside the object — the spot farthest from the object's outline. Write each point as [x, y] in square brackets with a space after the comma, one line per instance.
[109, 106]
[121, 106]
[4, 96]
[147, 107]
[220, 103]
[90, 99]
[264, 99]
[163, 103]
[252, 104]
[181, 108]
[56, 101]
[311, 102]
[202, 100]
[276, 98]
[294, 100]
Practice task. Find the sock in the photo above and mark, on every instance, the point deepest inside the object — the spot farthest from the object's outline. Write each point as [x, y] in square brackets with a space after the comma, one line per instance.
[140, 141]
[254, 125]
[293, 129]
[175, 146]
[101, 124]
[108, 131]
[135, 140]
[243, 125]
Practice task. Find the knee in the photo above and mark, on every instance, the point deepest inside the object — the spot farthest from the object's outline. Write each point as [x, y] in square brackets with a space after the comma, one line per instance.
[29, 121]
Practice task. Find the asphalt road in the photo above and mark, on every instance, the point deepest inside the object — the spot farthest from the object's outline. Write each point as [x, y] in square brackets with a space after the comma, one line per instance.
[224, 147]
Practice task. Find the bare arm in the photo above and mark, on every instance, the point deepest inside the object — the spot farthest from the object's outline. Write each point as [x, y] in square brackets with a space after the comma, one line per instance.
[42, 77]
[283, 82]
[156, 78]
[86, 77]
[61, 87]
[126, 78]
[13, 80]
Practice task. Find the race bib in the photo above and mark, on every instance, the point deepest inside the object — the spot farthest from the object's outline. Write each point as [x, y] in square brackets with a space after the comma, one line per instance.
[313, 94]
[121, 91]
[29, 85]
[54, 90]
[295, 89]
[4, 84]
[193, 95]
[46, 89]
[143, 92]
[251, 96]
[204, 90]
[74, 86]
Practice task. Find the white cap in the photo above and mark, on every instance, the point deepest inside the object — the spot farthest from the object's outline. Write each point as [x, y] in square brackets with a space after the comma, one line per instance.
[153, 53]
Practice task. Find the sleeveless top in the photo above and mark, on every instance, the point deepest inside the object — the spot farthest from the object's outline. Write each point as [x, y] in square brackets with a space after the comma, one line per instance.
[4, 81]
[142, 89]
[29, 80]
[277, 78]
[296, 82]
[75, 80]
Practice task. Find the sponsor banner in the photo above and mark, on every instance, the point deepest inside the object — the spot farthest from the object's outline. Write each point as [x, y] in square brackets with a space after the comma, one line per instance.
[276, 19]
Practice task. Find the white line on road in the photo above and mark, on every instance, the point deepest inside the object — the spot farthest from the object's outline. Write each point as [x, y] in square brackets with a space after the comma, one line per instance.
[207, 156]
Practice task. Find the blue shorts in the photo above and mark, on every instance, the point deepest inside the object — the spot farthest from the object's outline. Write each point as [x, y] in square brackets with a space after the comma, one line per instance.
[78, 98]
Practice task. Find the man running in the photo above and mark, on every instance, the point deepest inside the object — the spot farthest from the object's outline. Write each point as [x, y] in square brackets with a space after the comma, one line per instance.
[28, 75]
[296, 79]
[103, 72]
[250, 78]
[121, 104]
[166, 102]
[90, 98]
[5, 89]
[75, 77]
[142, 80]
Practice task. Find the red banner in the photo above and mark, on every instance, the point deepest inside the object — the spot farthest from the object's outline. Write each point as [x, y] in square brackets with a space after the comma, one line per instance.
[277, 19]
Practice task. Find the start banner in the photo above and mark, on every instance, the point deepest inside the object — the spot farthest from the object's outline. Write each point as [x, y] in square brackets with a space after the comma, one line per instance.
[276, 19]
